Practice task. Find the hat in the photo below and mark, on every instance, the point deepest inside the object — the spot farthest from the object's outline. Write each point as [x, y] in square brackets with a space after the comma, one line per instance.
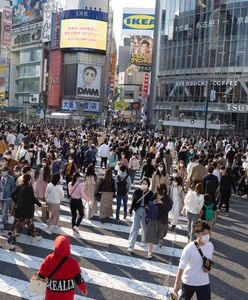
[5, 169]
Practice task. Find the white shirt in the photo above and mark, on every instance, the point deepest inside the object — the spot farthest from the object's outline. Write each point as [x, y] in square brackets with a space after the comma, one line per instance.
[104, 150]
[190, 166]
[191, 262]
[11, 138]
[193, 202]
[54, 194]
[216, 173]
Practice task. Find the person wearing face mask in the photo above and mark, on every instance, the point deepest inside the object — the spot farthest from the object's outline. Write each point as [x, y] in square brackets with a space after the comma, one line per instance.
[70, 169]
[177, 196]
[133, 166]
[140, 200]
[11, 163]
[157, 218]
[44, 177]
[7, 186]
[160, 177]
[190, 275]
[112, 160]
[38, 156]
[3, 146]
[58, 165]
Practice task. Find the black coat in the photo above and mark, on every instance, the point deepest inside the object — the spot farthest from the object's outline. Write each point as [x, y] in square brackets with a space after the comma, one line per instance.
[25, 202]
[226, 184]
[107, 186]
[137, 196]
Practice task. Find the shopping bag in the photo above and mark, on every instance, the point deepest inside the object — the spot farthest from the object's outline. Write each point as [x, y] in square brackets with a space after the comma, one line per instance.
[37, 285]
[44, 213]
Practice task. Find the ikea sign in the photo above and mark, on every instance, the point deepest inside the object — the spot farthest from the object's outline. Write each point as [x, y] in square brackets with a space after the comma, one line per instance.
[138, 22]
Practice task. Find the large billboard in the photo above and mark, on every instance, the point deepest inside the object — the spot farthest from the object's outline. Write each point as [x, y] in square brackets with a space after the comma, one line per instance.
[89, 81]
[138, 21]
[141, 50]
[95, 5]
[27, 11]
[83, 34]
[6, 27]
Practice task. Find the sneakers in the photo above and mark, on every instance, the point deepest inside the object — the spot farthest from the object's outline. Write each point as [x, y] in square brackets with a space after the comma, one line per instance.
[118, 221]
[149, 255]
[142, 244]
[226, 214]
[48, 231]
[129, 249]
[8, 246]
[37, 238]
[76, 229]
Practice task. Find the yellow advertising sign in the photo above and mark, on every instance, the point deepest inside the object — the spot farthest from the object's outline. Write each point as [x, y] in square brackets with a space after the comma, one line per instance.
[3, 69]
[84, 33]
[120, 105]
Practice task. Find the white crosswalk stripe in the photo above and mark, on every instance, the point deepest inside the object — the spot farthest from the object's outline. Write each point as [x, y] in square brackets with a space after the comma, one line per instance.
[110, 271]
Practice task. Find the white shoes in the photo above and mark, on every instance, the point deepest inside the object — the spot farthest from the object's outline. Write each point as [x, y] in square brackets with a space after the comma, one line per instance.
[129, 249]
[75, 228]
[48, 231]
[149, 255]
[37, 238]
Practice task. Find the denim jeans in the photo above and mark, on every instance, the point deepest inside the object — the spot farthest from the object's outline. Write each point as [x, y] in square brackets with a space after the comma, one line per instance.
[203, 292]
[139, 218]
[118, 200]
[5, 207]
[192, 219]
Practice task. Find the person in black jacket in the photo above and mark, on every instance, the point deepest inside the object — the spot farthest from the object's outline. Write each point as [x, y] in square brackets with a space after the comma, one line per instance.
[141, 198]
[24, 212]
[148, 169]
[210, 183]
[226, 184]
[157, 215]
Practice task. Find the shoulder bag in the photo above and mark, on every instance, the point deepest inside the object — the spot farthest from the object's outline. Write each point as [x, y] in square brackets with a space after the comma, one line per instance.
[73, 190]
[207, 263]
[38, 285]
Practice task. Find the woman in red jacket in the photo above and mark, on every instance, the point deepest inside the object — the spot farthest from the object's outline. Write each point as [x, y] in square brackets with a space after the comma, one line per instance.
[61, 285]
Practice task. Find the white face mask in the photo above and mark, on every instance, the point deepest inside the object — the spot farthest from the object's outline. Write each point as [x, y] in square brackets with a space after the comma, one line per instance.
[70, 161]
[4, 174]
[7, 156]
[174, 183]
[59, 159]
[160, 169]
[144, 187]
[205, 238]
[43, 164]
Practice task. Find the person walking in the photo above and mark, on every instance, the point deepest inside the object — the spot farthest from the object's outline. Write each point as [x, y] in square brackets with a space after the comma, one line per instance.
[122, 186]
[191, 277]
[7, 187]
[193, 204]
[53, 196]
[133, 166]
[104, 153]
[107, 190]
[61, 285]
[90, 188]
[210, 183]
[76, 193]
[25, 201]
[160, 177]
[157, 215]
[141, 197]
[70, 169]
[44, 177]
[148, 169]
[209, 211]
[227, 183]
[177, 196]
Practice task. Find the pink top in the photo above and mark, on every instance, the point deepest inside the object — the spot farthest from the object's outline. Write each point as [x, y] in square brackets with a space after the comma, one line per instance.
[77, 191]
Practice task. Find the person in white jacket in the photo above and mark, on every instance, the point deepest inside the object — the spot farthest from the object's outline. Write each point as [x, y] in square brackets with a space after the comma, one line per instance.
[193, 203]
[177, 196]
[133, 166]
[104, 153]
[54, 195]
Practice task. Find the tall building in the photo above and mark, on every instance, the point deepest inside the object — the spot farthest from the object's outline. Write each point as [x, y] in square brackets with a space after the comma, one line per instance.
[201, 68]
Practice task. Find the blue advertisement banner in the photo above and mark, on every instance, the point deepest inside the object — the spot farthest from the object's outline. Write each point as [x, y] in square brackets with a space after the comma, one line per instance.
[85, 14]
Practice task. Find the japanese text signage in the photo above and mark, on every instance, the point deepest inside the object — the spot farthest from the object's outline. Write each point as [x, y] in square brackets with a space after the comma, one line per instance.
[6, 27]
[47, 21]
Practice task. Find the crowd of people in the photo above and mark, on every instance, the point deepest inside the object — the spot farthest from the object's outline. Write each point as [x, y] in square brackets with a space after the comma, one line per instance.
[190, 176]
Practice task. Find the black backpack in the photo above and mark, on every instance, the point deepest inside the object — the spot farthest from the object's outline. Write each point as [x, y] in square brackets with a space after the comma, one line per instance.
[122, 186]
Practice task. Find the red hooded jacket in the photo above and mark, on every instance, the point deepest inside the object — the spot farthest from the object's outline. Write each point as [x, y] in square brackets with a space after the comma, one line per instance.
[61, 285]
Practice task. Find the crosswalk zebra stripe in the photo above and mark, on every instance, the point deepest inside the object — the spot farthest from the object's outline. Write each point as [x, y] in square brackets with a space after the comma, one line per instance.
[115, 282]
[119, 228]
[110, 240]
[18, 288]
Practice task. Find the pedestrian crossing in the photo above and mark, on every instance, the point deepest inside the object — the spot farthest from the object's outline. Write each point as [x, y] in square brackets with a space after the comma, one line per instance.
[110, 271]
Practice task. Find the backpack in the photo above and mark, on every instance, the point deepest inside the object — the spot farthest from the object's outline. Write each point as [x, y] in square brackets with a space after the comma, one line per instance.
[209, 212]
[122, 186]
[23, 157]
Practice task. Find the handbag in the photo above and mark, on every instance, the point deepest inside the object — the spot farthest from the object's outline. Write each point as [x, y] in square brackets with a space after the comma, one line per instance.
[207, 263]
[38, 285]
[44, 213]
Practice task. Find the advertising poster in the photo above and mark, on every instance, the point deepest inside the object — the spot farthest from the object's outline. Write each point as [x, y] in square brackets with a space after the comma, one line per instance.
[84, 34]
[47, 21]
[27, 11]
[6, 27]
[141, 50]
[89, 81]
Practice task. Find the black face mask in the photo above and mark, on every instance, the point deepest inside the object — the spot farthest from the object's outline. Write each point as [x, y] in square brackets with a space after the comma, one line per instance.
[161, 193]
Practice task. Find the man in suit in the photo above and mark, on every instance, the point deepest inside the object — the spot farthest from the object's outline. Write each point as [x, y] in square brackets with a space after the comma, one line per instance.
[197, 174]
[38, 156]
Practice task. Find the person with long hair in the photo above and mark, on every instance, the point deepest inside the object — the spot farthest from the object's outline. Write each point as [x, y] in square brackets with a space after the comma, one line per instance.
[54, 195]
[193, 203]
[90, 187]
[177, 196]
[42, 181]
[76, 193]
[70, 169]
[25, 200]
[160, 177]
[107, 190]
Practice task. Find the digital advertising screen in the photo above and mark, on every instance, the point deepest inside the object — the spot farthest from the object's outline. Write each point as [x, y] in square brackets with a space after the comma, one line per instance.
[141, 50]
[83, 34]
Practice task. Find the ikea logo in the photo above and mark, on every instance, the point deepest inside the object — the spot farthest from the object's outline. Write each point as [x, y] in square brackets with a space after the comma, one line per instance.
[138, 22]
